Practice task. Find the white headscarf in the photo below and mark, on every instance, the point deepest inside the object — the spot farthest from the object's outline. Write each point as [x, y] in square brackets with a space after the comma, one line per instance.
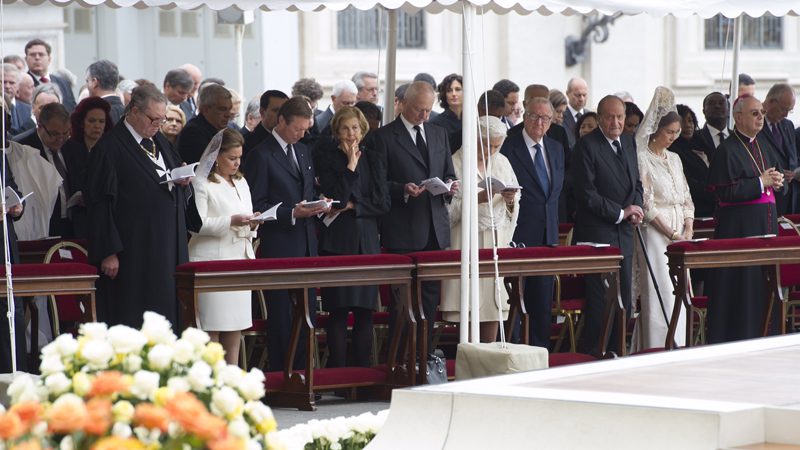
[208, 159]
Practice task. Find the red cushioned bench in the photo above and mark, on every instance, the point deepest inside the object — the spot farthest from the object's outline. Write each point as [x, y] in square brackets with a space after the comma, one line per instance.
[515, 263]
[296, 388]
[717, 253]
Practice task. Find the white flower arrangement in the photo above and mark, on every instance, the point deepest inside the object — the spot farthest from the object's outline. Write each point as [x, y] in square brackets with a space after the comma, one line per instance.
[352, 433]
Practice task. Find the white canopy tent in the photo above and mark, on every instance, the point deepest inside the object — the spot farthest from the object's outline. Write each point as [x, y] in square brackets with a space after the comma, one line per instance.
[468, 8]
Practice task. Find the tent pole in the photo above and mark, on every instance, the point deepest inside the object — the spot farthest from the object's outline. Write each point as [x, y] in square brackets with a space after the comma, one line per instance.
[469, 213]
[391, 67]
[737, 45]
[238, 37]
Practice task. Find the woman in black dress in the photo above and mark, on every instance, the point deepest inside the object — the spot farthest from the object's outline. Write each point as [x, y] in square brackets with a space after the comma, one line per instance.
[351, 169]
[451, 98]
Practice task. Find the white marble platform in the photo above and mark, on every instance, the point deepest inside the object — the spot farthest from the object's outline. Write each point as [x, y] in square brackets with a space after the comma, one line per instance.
[709, 398]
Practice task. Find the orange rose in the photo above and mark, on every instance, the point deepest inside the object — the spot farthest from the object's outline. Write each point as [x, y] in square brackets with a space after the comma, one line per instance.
[11, 426]
[208, 427]
[30, 444]
[115, 443]
[151, 416]
[229, 443]
[109, 383]
[28, 412]
[67, 414]
[99, 410]
[192, 415]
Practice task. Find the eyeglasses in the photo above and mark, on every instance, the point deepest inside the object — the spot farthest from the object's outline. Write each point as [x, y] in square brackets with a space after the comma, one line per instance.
[155, 120]
[538, 118]
[64, 135]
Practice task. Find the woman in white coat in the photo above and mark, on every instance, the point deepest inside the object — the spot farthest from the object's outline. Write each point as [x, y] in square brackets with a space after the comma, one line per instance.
[225, 209]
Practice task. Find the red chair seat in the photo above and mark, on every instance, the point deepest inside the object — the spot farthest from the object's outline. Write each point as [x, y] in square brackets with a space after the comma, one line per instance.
[566, 359]
[259, 325]
[573, 304]
[380, 318]
[312, 262]
[700, 302]
[333, 377]
[485, 254]
[41, 270]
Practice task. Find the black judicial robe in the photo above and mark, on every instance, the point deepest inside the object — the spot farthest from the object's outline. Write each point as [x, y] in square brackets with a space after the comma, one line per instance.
[140, 220]
[19, 313]
[737, 299]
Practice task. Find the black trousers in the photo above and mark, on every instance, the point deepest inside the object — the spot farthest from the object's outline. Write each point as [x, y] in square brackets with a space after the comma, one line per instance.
[539, 304]
[5, 339]
[279, 329]
[595, 308]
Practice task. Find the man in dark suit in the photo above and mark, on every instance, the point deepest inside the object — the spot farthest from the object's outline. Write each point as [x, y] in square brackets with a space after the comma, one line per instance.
[252, 117]
[417, 220]
[51, 133]
[37, 56]
[510, 91]
[178, 85]
[344, 94]
[779, 132]
[137, 222]
[609, 204]
[279, 170]
[189, 106]
[577, 96]
[19, 112]
[102, 78]
[538, 162]
[215, 113]
[270, 103]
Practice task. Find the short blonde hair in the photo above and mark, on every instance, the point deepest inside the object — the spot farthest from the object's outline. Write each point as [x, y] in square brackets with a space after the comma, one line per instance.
[175, 109]
[345, 113]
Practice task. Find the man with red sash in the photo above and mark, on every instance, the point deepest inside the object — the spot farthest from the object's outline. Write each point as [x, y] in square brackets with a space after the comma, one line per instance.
[744, 176]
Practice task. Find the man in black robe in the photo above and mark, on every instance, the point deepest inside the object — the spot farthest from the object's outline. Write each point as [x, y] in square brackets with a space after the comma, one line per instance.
[137, 224]
[744, 176]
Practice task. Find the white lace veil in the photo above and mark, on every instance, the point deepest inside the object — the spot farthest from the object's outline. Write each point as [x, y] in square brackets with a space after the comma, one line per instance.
[663, 102]
[208, 159]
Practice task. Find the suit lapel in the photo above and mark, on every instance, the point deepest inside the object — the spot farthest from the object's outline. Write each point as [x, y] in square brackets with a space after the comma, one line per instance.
[404, 140]
[609, 158]
[281, 158]
[137, 154]
[524, 156]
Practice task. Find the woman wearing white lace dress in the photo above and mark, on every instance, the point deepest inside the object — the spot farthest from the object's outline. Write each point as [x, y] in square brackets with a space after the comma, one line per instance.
[500, 221]
[668, 216]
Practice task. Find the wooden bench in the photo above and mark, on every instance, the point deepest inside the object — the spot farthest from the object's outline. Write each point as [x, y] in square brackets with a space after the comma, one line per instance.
[294, 388]
[33, 252]
[515, 263]
[718, 253]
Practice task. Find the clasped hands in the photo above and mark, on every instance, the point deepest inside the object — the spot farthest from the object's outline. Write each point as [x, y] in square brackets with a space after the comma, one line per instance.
[772, 178]
[633, 214]
[15, 211]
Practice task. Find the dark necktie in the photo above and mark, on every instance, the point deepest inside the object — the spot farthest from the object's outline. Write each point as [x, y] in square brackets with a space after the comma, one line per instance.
[149, 147]
[721, 138]
[578, 116]
[292, 161]
[193, 105]
[60, 168]
[421, 146]
[618, 152]
[776, 134]
[541, 170]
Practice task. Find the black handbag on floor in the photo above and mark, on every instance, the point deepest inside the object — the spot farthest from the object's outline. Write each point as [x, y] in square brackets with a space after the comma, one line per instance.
[436, 368]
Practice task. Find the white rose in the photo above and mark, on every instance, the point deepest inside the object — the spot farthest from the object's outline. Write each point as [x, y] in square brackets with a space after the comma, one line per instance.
[57, 383]
[97, 354]
[198, 338]
[185, 352]
[51, 364]
[123, 411]
[145, 384]
[160, 357]
[39, 430]
[66, 443]
[258, 411]
[179, 384]
[132, 363]
[81, 383]
[23, 389]
[199, 376]
[121, 430]
[157, 329]
[253, 444]
[252, 385]
[126, 339]
[94, 330]
[231, 375]
[226, 402]
[239, 428]
[63, 345]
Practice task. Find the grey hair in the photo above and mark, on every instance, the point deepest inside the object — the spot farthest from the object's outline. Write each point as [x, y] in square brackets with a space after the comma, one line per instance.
[253, 108]
[538, 101]
[492, 127]
[126, 86]
[12, 69]
[358, 78]
[777, 90]
[46, 88]
[416, 88]
[344, 86]
[142, 95]
[105, 72]
[213, 93]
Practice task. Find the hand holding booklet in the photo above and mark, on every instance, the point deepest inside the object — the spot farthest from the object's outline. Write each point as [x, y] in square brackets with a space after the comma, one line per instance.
[270, 214]
[497, 185]
[436, 186]
[316, 203]
[180, 173]
[12, 199]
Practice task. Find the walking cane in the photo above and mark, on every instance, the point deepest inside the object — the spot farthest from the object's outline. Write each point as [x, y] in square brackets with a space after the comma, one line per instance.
[653, 277]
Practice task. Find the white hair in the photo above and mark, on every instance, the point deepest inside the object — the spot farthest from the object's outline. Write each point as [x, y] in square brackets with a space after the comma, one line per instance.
[344, 86]
[491, 126]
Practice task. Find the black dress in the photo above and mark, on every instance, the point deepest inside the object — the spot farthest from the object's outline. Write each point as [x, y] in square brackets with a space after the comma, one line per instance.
[452, 124]
[77, 157]
[353, 232]
[736, 295]
[19, 313]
